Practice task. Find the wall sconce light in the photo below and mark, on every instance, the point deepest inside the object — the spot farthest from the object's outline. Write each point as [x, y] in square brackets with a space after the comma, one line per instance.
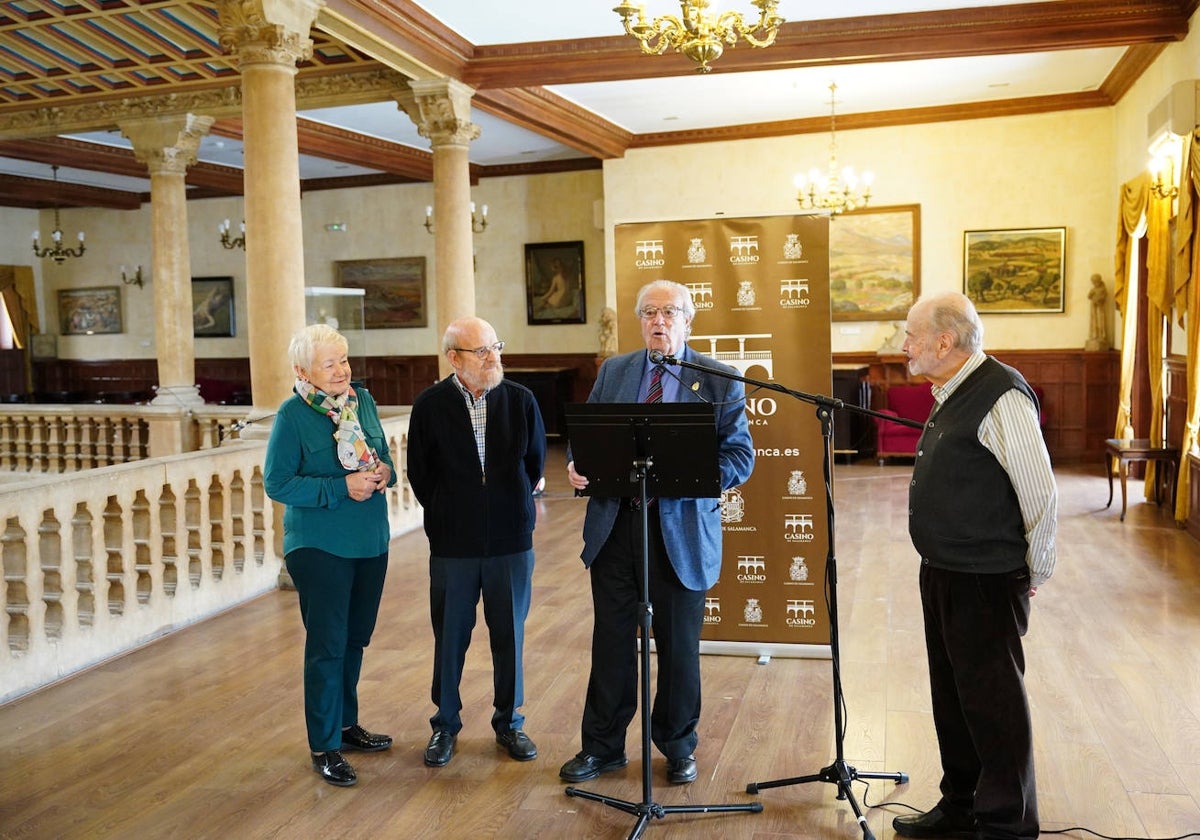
[1162, 177]
[1166, 149]
[132, 280]
[478, 223]
[229, 242]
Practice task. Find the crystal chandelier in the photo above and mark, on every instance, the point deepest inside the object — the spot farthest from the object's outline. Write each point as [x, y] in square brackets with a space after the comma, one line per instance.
[699, 34]
[834, 191]
[56, 251]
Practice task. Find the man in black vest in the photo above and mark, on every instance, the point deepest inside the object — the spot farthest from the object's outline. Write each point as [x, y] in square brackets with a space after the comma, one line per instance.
[982, 515]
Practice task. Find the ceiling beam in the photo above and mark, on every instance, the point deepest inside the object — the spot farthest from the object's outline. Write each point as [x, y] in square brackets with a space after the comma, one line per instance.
[20, 191]
[430, 48]
[1022, 28]
[549, 115]
[116, 160]
[880, 119]
[334, 143]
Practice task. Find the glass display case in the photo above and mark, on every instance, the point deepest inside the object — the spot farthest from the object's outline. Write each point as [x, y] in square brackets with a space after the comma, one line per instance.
[341, 309]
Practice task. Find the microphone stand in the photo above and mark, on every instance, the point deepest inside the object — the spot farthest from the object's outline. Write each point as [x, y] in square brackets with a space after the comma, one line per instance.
[838, 772]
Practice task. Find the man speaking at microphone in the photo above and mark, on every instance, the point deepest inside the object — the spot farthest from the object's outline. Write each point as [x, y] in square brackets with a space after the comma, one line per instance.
[684, 555]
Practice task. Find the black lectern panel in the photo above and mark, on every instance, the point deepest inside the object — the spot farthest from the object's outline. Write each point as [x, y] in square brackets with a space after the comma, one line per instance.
[680, 439]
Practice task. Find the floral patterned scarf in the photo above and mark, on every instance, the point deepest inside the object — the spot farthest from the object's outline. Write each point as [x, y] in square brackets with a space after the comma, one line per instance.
[352, 448]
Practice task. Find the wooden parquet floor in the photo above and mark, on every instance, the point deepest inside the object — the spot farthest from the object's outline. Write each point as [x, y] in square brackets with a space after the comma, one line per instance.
[201, 734]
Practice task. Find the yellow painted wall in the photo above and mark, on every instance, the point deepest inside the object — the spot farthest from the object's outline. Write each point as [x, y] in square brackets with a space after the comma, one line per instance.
[1050, 170]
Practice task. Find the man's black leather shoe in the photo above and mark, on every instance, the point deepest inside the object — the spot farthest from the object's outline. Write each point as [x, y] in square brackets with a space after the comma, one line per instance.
[583, 767]
[936, 823]
[440, 749]
[518, 744]
[333, 768]
[357, 738]
[681, 771]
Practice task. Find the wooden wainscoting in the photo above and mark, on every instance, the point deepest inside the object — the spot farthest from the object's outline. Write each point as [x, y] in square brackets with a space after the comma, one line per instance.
[1080, 387]
[393, 380]
[1080, 393]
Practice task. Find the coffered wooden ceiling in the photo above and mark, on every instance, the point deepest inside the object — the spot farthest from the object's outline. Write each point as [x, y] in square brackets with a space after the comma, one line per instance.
[70, 69]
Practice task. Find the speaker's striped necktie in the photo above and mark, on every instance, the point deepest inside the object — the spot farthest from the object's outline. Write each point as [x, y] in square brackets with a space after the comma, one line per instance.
[654, 394]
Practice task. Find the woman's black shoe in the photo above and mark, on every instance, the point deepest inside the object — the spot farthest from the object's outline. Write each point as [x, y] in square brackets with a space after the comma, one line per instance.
[333, 768]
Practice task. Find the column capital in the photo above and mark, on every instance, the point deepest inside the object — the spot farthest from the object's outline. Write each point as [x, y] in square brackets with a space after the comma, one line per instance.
[168, 144]
[441, 110]
[267, 31]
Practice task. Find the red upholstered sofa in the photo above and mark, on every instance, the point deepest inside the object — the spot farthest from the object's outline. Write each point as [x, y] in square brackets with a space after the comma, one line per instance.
[913, 402]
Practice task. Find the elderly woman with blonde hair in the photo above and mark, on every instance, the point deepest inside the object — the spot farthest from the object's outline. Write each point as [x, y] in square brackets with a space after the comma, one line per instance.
[328, 463]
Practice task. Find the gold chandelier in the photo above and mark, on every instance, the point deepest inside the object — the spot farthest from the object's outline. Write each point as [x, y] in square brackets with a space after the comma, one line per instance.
[699, 34]
[834, 191]
[55, 251]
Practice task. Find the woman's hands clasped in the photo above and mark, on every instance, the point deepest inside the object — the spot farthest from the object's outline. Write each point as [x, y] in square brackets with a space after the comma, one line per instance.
[362, 485]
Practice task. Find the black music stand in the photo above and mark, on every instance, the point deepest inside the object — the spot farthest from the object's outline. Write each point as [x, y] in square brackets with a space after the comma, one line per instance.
[647, 450]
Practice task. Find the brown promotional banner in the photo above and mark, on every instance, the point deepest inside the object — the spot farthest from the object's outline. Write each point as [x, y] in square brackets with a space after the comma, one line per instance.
[761, 289]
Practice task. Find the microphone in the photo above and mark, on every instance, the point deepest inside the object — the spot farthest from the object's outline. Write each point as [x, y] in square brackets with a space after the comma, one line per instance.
[660, 358]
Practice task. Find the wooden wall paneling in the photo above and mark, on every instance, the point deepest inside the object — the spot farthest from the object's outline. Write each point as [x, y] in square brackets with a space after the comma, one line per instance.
[1080, 393]
[1102, 375]
[1176, 399]
[1080, 387]
[1192, 464]
[12, 375]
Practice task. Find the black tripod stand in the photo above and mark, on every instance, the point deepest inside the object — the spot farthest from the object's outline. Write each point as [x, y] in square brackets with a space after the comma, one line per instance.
[839, 772]
[681, 432]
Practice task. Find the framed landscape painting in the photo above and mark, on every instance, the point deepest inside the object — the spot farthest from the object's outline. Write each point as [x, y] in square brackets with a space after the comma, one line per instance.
[875, 263]
[395, 290]
[1016, 271]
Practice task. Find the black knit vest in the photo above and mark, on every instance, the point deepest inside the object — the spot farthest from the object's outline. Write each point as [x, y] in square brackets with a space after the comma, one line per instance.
[963, 513]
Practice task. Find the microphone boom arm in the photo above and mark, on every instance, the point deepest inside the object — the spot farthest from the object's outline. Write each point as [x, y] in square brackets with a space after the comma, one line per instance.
[819, 400]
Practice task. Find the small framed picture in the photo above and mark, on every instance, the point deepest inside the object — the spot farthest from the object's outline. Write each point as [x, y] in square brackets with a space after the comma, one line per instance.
[90, 311]
[394, 290]
[1015, 271]
[554, 283]
[212, 307]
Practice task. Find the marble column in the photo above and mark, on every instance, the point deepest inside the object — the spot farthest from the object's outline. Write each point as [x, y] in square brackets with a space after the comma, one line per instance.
[441, 110]
[167, 145]
[268, 37]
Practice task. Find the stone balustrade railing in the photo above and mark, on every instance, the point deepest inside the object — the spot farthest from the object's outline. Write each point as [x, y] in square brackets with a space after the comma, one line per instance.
[66, 438]
[48, 438]
[98, 561]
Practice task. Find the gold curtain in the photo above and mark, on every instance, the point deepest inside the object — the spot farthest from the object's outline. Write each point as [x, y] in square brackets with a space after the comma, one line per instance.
[1160, 295]
[1187, 306]
[16, 285]
[1135, 196]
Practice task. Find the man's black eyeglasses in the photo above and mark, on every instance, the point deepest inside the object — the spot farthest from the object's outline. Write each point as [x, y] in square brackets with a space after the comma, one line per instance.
[482, 352]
